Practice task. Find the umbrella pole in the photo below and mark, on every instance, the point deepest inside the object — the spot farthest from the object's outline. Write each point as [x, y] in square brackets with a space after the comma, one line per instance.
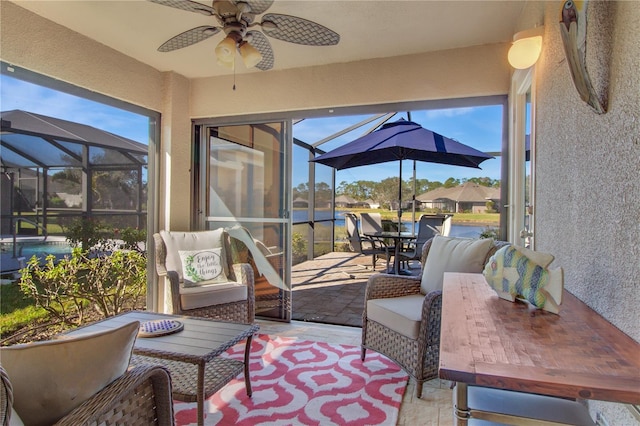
[413, 206]
[400, 200]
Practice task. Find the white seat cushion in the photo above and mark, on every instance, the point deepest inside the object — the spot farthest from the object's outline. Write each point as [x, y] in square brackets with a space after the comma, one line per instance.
[212, 293]
[449, 254]
[400, 314]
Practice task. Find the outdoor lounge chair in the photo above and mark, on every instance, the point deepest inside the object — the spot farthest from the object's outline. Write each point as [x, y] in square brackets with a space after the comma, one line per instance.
[365, 245]
[83, 380]
[228, 296]
[401, 317]
[142, 395]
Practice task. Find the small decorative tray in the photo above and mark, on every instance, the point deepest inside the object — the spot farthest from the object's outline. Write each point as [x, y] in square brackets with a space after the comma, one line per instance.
[160, 327]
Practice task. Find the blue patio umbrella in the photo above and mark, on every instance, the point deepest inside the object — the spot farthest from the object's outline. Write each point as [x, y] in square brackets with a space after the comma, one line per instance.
[402, 140]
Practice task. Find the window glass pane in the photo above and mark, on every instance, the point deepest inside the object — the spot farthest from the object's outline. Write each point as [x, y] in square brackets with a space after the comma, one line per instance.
[323, 193]
[105, 156]
[246, 176]
[115, 189]
[300, 184]
[38, 149]
[300, 242]
[322, 243]
[64, 189]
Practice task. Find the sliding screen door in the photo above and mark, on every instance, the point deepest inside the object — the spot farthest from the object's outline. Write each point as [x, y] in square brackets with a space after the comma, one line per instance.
[244, 188]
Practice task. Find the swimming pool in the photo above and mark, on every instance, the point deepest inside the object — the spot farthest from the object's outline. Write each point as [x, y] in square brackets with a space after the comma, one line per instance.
[26, 249]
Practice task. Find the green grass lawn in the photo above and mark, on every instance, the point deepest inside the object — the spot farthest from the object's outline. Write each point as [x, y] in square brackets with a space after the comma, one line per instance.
[16, 310]
[489, 219]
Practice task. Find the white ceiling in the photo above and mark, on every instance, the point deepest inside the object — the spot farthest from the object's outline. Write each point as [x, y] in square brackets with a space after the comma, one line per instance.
[368, 29]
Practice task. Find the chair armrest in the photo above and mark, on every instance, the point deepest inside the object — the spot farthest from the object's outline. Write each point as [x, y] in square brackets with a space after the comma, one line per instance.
[144, 392]
[244, 275]
[174, 282]
[381, 286]
[160, 254]
[431, 318]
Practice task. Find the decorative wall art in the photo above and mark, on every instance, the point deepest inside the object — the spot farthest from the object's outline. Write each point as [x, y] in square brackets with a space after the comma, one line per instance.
[573, 29]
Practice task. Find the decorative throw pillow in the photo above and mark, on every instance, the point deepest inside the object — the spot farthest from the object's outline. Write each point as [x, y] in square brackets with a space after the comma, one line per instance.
[199, 266]
[53, 377]
[450, 254]
[517, 272]
[197, 240]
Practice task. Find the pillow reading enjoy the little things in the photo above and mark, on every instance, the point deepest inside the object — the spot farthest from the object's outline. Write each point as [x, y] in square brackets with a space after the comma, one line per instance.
[200, 266]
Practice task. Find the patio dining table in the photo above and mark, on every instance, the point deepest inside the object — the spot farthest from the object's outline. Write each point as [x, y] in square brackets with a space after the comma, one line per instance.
[399, 238]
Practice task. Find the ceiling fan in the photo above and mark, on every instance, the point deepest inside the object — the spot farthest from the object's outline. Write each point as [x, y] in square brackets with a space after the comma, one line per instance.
[236, 19]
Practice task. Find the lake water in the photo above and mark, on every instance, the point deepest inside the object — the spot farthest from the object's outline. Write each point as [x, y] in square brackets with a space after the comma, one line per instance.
[465, 231]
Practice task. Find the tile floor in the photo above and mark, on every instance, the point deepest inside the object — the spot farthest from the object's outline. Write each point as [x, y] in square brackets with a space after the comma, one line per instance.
[433, 409]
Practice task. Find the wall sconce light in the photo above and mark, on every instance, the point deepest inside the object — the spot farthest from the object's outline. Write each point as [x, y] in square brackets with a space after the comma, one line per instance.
[526, 48]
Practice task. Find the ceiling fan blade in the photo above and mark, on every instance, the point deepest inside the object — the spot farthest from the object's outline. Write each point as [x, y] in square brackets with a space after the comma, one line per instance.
[257, 6]
[188, 5]
[260, 42]
[299, 30]
[188, 38]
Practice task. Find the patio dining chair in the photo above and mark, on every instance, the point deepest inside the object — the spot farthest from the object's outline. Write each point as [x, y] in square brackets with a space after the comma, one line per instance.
[428, 227]
[363, 244]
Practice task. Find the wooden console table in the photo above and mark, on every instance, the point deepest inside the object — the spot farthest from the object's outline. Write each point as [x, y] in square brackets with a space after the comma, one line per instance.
[493, 347]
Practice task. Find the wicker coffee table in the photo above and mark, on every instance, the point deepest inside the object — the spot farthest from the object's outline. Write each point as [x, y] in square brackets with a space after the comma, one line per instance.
[191, 354]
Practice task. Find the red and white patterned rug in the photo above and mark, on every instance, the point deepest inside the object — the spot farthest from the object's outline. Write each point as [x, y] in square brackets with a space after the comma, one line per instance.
[301, 382]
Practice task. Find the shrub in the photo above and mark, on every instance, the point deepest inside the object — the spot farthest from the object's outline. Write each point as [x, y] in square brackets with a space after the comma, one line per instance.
[107, 283]
[88, 234]
[490, 232]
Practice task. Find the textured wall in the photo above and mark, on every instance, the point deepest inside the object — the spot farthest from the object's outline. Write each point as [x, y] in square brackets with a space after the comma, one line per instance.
[588, 169]
[457, 73]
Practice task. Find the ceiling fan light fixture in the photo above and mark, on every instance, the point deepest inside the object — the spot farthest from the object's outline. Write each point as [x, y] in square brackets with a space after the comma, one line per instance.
[227, 64]
[250, 55]
[226, 49]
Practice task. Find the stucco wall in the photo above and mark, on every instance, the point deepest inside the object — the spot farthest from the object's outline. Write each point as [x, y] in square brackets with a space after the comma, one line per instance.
[588, 169]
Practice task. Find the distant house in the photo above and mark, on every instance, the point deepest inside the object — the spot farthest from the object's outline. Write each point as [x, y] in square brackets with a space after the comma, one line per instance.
[350, 202]
[345, 201]
[372, 204]
[300, 203]
[467, 197]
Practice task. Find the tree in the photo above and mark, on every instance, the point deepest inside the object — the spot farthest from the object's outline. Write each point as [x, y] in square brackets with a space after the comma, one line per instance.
[451, 183]
[484, 181]
[360, 190]
[301, 191]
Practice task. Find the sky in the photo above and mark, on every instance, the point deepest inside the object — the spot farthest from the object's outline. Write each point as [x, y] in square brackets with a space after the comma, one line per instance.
[478, 127]
[18, 94]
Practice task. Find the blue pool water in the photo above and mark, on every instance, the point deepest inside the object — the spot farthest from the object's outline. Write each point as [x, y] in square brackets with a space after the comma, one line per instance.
[26, 250]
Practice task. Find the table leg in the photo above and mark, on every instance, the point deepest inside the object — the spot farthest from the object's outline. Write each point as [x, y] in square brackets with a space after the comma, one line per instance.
[200, 395]
[461, 412]
[247, 353]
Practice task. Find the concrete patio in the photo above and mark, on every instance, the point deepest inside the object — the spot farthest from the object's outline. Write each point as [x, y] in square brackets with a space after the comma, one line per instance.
[330, 289]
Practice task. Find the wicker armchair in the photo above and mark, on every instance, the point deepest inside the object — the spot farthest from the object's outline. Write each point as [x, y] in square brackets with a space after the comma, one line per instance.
[233, 301]
[415, 350]
[141, 396]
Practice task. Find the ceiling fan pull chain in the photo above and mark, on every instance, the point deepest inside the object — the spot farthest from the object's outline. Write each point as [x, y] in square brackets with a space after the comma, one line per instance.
[234, 73]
